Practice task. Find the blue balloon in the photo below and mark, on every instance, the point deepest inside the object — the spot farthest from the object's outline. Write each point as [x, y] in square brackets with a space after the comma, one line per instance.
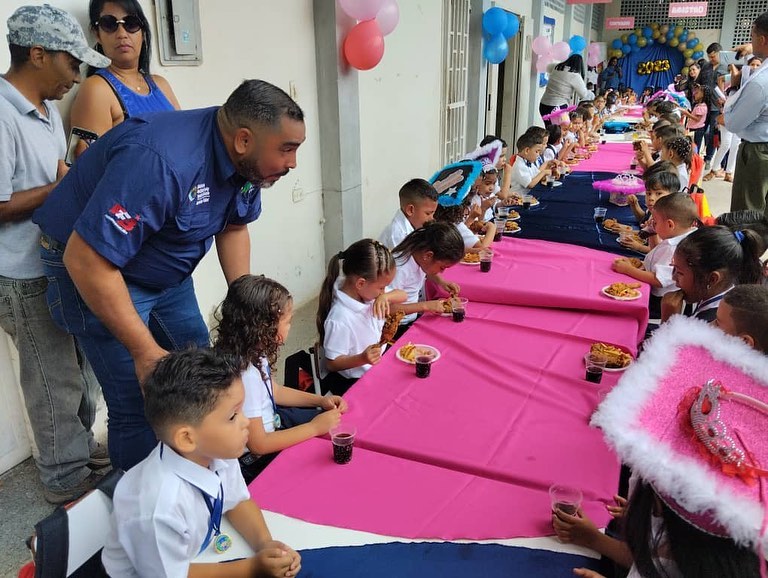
[632, 39]
[683, 37]
[577, 43]
[692, 43]
[648, 32]
[626, 48]
[670, 34]
[616, 44]
[513, 25]
[649, 42]
[496, 49]
[698, 54]
[634, 48]
[494, 21]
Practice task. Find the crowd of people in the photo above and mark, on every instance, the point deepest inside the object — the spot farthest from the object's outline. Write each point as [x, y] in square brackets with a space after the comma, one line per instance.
[97, 262]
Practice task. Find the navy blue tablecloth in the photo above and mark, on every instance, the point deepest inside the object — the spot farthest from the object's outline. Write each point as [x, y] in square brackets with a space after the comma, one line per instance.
[565, 214]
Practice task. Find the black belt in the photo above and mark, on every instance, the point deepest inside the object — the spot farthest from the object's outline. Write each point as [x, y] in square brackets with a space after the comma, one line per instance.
[49, 243]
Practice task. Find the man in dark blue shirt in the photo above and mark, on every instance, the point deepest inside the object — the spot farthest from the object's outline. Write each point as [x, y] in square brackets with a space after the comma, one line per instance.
[126, 228]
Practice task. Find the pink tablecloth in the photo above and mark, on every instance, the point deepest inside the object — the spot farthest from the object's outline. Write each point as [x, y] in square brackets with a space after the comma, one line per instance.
[546, 274]
[471, 451]
[615, 157]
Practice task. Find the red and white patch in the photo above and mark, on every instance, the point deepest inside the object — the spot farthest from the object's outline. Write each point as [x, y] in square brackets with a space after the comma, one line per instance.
[121, 219]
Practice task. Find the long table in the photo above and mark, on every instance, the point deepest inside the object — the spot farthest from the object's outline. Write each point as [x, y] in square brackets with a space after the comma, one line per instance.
[469, 452]
[543, 274]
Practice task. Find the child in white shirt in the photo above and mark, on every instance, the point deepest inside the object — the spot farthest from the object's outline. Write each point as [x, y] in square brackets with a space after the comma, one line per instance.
[418, 201]
[525, 173]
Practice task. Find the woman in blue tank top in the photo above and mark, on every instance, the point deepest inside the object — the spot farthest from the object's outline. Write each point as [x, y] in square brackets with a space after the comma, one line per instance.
[125, 88]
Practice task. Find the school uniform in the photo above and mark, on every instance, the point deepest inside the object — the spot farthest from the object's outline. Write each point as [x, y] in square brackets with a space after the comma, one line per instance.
[705, 310]
[161, 519]
[349, 329]
[469, 238]
[683, 174]
[659, 262]
[397, 230]
[523, 172]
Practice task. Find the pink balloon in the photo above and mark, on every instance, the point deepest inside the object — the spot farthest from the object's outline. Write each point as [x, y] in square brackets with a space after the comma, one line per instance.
[593, 60]
[361, 9]
[541, 45]
[388, 16]
[560, 51]
[542, 62]
[364, 45]
[594, 49]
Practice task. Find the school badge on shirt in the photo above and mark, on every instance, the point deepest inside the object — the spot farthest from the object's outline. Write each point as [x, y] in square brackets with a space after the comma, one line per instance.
[199, 194]
[121, 219]
[247, 189]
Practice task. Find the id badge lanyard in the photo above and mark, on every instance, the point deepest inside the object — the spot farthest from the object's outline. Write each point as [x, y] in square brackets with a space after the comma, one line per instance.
[221, 542]
[268, 384]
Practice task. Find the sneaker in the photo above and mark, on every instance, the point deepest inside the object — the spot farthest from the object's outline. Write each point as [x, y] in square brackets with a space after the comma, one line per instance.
[59, 497]
[99, 457]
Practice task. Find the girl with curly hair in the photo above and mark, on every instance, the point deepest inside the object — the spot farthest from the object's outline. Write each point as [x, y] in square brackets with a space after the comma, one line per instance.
[253, 323]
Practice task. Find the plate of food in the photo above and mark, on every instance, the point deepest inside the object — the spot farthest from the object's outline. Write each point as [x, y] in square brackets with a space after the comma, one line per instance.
[614, 226]
[622, 291]
[470, 259]
[409, 352]
[513, 216]
[619, 358]
[511, 228]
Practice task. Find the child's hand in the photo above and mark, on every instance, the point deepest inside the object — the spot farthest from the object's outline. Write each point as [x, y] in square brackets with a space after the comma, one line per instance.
[372, 354]
[632, 200]
[324, 421]
[577, 529]
[334, 402]
[276, 560]
[587, 573]
[618, 510]
[452, 288]
[381, 307]
[622, 265]
[671, 304]
[435, 306]
[632, 243]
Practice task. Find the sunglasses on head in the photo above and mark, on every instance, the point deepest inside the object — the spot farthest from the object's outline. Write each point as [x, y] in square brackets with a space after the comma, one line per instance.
[109, 23]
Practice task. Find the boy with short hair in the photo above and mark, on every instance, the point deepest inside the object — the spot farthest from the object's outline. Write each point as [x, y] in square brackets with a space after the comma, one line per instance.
[168, 508]
[675, 217]
[525, 173]
[743, 312]
[418, 202]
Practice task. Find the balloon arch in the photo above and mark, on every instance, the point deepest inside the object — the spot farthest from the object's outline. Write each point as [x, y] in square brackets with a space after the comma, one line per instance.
[673, 36]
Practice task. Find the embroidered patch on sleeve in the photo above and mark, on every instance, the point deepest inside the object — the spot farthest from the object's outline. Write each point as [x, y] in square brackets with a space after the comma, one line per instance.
[121, 219]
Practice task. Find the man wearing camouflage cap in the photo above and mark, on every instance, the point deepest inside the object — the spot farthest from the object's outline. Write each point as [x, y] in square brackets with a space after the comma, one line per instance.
[47, 47]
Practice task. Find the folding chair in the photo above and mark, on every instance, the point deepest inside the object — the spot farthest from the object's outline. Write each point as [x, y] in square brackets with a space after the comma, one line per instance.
[68, 543]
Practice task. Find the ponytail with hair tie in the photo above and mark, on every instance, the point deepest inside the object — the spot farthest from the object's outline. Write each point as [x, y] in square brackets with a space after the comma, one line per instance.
[739, 236]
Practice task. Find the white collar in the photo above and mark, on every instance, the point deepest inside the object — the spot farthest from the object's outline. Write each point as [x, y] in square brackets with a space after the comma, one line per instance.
[400, 216]
[674, 241]
[204, 479]
[347, 301]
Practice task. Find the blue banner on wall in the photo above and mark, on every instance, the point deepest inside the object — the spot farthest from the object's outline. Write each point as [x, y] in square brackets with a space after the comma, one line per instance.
[654, 66]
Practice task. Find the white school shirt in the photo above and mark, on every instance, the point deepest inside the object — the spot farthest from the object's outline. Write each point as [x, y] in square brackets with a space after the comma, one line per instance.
[683, 174]
[349, 328]
[257, 403]
[410, 278]
[523, 173]
[659, 261]
[469, 238]
[397, 230]
[160, 517]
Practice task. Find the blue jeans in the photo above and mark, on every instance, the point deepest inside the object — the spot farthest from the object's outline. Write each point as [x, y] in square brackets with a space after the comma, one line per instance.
[60, 390]
[174, 319]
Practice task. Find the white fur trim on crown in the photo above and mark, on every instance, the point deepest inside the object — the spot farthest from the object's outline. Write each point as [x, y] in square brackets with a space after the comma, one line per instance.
[689, 482]
[488, 154]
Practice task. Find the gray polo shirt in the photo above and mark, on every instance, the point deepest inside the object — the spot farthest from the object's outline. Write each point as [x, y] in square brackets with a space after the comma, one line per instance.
[31, 146]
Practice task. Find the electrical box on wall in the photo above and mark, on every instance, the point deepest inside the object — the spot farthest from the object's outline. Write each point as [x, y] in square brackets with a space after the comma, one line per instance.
[179, 38]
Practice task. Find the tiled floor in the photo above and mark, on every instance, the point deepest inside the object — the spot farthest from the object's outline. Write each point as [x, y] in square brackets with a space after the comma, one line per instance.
[20, 491]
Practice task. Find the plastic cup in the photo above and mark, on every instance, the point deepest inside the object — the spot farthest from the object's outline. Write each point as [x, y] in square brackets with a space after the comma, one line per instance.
[595, 366]
[500, 224]
[424, 365]
[343, 438]
[600, 214]
[502, 212]
[459, 307]
[565, 498]
[527, 200]
[486, 258]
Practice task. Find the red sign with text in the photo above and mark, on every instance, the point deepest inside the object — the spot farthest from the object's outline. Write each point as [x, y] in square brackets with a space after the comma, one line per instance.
[688, 9]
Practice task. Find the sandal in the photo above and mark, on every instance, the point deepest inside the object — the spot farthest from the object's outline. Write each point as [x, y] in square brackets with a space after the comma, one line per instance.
[728, 178]
[709, 176]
